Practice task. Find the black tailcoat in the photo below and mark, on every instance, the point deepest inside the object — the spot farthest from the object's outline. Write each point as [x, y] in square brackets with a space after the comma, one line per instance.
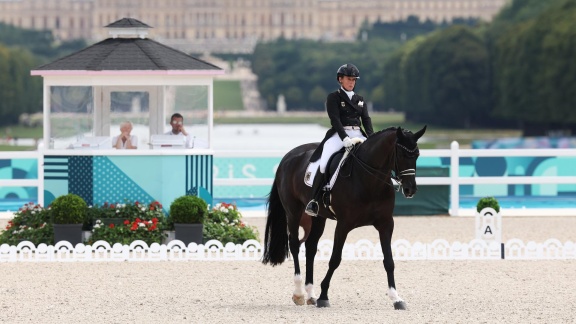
[344, 111]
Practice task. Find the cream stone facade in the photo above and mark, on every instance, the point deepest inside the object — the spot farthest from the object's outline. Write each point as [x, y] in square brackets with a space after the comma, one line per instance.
[232, 23]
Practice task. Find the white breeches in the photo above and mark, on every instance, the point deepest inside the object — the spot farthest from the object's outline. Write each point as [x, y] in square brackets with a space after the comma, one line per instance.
[333, 144]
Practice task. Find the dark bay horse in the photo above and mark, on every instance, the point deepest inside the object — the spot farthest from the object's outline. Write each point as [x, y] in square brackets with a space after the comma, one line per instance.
[364, 196]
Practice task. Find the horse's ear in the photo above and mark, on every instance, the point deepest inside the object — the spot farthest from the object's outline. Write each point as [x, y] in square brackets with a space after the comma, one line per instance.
[420, 133]
[399, 132]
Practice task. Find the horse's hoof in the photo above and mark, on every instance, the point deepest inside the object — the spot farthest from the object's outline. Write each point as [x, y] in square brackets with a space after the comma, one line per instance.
[298, 300]
[400, 305]
[311, 301]
[322, 303]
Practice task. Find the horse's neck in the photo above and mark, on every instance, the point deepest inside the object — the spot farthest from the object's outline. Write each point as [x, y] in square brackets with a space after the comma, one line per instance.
[378, 152]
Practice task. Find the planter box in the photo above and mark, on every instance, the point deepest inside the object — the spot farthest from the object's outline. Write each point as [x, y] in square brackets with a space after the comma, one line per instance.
[68, 232]
[189, 233]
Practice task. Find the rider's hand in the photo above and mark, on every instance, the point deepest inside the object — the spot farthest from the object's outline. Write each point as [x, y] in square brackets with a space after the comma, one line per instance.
[348, 144]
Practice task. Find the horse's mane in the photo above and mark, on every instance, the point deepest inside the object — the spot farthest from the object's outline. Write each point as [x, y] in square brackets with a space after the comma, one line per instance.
[376, 134]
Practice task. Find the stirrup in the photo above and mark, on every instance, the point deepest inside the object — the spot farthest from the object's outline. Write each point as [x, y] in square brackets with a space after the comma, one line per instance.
[312, 208]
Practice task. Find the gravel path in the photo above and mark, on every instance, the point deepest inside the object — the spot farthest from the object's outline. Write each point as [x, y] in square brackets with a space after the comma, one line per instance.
[249, 292]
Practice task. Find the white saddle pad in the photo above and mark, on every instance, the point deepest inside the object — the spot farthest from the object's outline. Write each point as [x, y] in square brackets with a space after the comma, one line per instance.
[312, 169]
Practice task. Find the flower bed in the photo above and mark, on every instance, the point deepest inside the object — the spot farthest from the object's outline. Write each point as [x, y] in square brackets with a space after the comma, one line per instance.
[224, 223]
[125, 223]
[137, 222]
[30, 223]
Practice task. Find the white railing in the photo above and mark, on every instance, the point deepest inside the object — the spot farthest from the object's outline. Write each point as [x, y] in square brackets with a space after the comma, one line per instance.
[454, 180]
[252, 250]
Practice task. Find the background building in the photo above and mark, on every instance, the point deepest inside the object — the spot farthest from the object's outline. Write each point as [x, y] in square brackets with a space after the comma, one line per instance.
[232, 25]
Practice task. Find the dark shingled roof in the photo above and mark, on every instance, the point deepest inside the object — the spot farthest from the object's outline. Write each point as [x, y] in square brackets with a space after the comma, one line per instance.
[127, 54]
[128, 23]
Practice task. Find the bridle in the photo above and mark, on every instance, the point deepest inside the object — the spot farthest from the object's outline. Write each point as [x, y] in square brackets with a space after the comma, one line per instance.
[397, 174]
[408, 172]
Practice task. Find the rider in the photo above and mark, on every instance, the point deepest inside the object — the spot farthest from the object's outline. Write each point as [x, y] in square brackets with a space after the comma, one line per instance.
[345, 110]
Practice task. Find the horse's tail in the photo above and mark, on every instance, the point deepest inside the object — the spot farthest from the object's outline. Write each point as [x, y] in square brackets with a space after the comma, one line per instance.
[276, 237]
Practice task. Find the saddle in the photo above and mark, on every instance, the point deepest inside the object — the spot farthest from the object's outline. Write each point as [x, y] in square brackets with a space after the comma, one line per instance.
[337, 164]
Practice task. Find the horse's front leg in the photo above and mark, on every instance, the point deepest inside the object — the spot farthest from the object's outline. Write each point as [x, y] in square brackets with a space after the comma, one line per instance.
[340, 235]
[386, 243]
[318, 225]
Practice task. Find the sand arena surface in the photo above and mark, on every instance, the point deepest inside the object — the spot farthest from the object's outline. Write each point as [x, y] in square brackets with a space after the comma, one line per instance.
[249, 292]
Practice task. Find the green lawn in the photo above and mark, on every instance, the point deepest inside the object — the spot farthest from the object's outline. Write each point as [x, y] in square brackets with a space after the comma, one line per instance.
[227, 95]
[21, 132]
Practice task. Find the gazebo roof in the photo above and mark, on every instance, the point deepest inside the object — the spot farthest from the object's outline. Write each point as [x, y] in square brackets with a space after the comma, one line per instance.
[129, 54]
[128, 23]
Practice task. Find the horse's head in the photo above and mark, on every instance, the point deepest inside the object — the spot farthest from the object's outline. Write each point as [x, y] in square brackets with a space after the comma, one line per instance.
[407, 153]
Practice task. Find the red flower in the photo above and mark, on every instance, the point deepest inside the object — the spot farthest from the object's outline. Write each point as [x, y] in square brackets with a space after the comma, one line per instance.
[137, 220]
[134, 227]
[112, 206]
[242, 225]
[136, 203]
[111, 225]
[126, 222]
[151, 207]
[155, 220]
[151, 228]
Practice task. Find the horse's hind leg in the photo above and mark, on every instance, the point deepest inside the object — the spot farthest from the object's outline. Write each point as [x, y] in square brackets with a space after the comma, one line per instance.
[318, 225]
[294, 243]
[385, 242]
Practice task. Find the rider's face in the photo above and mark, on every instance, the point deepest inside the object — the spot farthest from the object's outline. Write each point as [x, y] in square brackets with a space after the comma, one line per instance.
[348, 82]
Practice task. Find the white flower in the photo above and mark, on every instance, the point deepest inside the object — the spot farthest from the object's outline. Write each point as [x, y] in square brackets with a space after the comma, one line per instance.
[143, 209]
[97, 225]
[360, 103]
[141, 225]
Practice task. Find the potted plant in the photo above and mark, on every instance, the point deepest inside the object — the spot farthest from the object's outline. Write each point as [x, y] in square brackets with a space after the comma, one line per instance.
[486, 202]
[68, 213]
[187, 213]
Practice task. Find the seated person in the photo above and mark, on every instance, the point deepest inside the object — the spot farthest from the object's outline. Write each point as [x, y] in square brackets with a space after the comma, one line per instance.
[177, 123]
[125, 140]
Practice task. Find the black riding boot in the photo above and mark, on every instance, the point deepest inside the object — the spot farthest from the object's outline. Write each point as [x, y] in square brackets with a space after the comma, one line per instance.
[313, 207]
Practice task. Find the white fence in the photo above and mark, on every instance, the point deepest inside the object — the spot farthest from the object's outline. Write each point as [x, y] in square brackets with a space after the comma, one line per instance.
[252, 250]
[454, 180]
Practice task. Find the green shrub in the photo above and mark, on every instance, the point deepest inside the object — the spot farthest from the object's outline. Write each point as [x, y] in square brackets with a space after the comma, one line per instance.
[69, 209]
[188, 210]
[488, 202]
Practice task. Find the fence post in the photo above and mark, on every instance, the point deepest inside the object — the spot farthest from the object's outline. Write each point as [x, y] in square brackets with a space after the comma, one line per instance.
[454, 175]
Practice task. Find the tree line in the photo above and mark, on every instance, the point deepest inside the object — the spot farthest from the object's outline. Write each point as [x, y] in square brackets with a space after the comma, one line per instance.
[21, 51]
[517, 70]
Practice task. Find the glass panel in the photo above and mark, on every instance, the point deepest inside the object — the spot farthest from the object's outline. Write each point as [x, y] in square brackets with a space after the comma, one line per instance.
[132, 106]
[192, 103]
[71, 115]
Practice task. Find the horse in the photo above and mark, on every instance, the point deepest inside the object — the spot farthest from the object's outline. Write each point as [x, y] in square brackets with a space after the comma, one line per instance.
[363, 195]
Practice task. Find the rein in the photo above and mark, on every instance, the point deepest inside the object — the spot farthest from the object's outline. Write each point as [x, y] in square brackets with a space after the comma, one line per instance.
[378, 173]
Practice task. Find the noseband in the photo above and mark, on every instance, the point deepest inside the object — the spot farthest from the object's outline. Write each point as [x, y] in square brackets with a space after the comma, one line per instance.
[408, 172]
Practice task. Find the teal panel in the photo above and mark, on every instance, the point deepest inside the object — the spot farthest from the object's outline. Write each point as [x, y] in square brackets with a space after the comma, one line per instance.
[53, 189]
[30, 167]
[242, 168]
[113, 185]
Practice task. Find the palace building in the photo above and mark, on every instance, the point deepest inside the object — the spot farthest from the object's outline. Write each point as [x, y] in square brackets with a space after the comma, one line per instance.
[233, 25]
